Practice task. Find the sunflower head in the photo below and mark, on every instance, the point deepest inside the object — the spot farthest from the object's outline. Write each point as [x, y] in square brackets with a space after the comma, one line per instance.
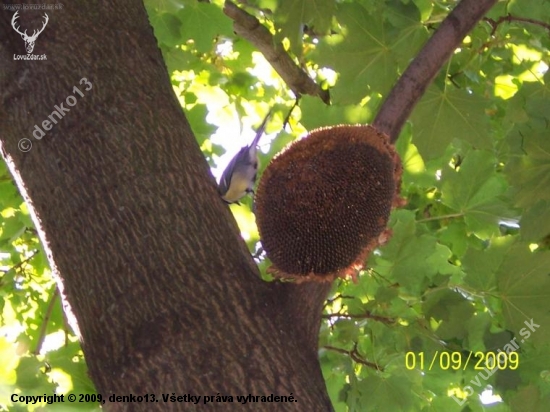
[322, 205]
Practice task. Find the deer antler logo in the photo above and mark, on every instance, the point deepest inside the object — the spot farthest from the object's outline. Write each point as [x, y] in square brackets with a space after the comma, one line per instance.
[29, 40]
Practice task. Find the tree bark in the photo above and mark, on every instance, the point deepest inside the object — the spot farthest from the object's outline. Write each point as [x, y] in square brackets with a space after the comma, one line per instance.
[149, 258]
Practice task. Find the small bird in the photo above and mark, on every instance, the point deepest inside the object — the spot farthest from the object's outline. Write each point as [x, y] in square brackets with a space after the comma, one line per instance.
[239, 176]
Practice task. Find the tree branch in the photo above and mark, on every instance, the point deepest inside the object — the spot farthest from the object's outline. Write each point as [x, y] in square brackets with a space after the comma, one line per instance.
[23, 262]
[44, 325]
[337, 297]
[509, 18]
[366, 315]
[355, 356]
[412, 84]
[249, 28]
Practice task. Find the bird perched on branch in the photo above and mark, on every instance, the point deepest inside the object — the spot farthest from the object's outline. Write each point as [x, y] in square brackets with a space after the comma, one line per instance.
[239, 176]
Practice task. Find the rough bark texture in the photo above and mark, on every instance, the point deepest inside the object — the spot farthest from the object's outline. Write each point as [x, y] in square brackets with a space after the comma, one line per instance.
[166, 296]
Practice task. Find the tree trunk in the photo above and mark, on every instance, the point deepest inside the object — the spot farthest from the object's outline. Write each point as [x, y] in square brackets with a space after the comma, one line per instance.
[166, 296]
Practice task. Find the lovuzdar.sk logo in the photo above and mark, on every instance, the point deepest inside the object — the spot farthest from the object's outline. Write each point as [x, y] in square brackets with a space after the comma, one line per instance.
[29, 40]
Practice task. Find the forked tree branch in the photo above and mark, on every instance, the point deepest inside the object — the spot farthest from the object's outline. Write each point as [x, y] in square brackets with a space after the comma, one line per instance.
[410, 87]
[249, 28]
[509, 18]
[355, 356]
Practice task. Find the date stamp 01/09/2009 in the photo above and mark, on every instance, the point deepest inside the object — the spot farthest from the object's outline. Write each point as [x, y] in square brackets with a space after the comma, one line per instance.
[458, 360]
[506, 358]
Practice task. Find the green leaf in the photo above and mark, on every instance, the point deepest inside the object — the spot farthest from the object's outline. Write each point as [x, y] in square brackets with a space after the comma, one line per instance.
[535, 366]
[535, 9]
[201, 129]
[453, 236]
[444, 115]
[412, 33]
[31, 377]
[335, 381]
[69, 359]
[528, 169]
[11, 228]
[478, 326]
[451, 310]
[178, 59]
[528, 398]
[476, 191]
[294, 14]
[481, 265]
[202, 23]
[535, 222]
[523, 280]
[382, 394]
[315, 113]
[425, 7]
[361, 55]
[409, 259]
[167, 28]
